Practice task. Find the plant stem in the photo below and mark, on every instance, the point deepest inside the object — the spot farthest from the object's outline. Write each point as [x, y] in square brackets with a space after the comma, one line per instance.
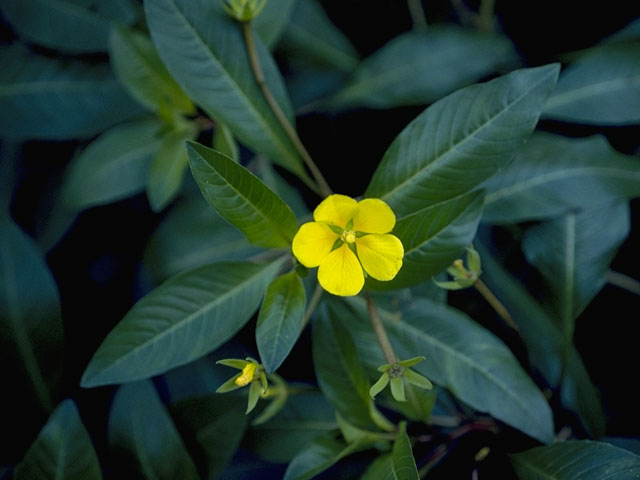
[417, 13]
[381, 333]
[623, 281]
[321, 183]
[485, 18]
[495, 303]
[313, 303]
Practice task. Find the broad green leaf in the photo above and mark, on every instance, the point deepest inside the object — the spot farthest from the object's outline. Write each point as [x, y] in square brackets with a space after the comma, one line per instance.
[419, 67]
[217, 75]
[434, 238]
[168, 167]
[573, 254]
[212, 427]
[629, 33]
[185, 318]
[273, 19]
[575, 459]
[461, 356]
[402, 462]
[552, 175]
[337, 366]
[142, 73]
[143, 437]
[545, 346]
[113, 166]
[311, 34]
[241, 198]
[380, 469]
[461, 140]
[56, 99]
[323, 453]
[289, 193]
[280, 319]
[303, 418]
[31, 345]
[601, 88]
[63, 450]
[69, 25]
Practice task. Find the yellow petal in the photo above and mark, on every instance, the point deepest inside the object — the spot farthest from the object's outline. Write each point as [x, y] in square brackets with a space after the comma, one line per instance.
[380, 255]
[340, 272]
[312, 243]
[374, 216]
[336, 209]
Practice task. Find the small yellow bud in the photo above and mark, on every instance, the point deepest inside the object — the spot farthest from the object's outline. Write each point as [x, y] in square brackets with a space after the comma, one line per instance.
[247, 375]
[349, 236]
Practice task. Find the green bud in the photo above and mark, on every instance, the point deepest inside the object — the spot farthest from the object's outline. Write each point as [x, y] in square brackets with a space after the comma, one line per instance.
[243, 10]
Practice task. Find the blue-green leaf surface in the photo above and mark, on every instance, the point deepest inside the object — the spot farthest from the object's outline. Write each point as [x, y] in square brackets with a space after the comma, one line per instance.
[273, 19]
[185, 318]
[319, 456]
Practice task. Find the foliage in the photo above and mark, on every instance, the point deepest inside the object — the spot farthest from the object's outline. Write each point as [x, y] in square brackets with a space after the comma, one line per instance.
[191, 147]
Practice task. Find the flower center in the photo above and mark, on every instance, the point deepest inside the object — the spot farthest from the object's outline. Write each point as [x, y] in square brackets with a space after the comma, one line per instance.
[247, 375]
[348, 236]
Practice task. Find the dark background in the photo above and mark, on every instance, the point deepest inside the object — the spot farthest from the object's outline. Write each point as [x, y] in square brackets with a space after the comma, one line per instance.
[97, 263]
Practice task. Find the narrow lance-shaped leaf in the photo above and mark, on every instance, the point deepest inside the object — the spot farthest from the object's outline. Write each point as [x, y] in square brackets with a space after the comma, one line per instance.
[574, 459]
[144, 438]
[63, 449]
[142, 73]
[185, 318]
[398, 465]
[545, 346]
[461, 140]
[420, 67]
[49, 98]
[552, 175]
[68, 25]
[318, 457]
[241, 198]
[217, 74]
[280, 320]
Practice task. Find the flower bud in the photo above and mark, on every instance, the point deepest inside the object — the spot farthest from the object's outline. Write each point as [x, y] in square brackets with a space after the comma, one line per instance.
[243, 10]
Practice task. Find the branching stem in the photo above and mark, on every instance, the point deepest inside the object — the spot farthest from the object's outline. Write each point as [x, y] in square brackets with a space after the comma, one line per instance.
[313, 303]
[321, 184]
[417, 13]
[495, 303]
[381, 333]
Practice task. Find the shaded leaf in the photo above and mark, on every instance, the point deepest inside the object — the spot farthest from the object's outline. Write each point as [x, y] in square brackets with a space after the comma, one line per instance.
[68, 25]
[144, 438]
[403, 465]
[241, 198]
[185, 318]
[280, 319]
[57, 99]
[602, 88]
[217, 75]
[273, 19]
[63, 449]
[545, 346]
[419, 67]
[113, 166]
[461, 140]
[573, 459]
[552, 175]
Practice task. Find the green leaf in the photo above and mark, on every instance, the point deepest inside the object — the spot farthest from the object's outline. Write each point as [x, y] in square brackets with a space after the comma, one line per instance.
[31, 343]
[217, 75]
[280, 319]
[168, 167]
[461, 356]
[434, 238]
[419, 67]
[337, 366]
[273, 19]
[380, 469]
[63, 449]
[185, 318]
[56, 99]
[144, 438]
[545, 346]
[212, 426]
[602, 88]
[573, 254]
[224, 142]
[323, 453]
[241, 198]
[69, 25]
[553, 175]
[190, 235]
[303, 418]
[113, 166]
[574, 459]
[403, 465]
[312, 35]
[461, 140]
[142, 73]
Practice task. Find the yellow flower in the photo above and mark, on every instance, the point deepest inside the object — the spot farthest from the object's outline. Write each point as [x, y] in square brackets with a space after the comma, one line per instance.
[247, 375]
[347, 237]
